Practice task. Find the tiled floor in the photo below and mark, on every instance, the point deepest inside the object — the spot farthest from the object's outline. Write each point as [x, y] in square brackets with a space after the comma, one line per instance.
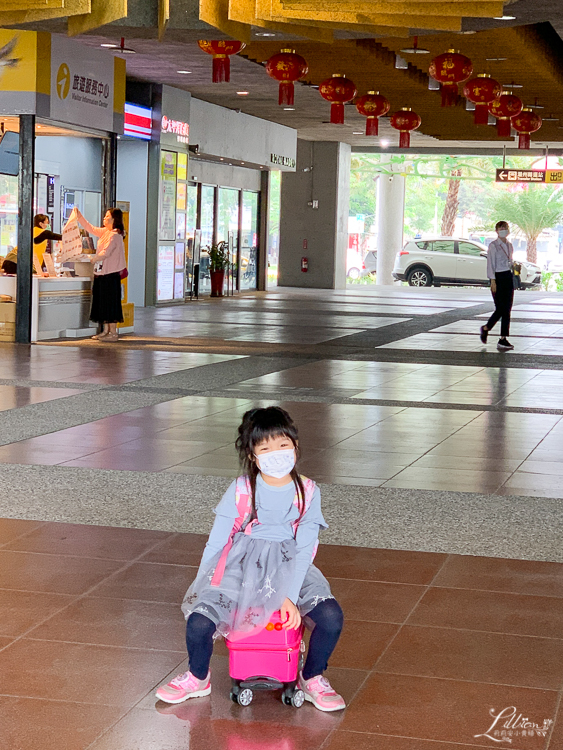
[91, 625]
[397, 404]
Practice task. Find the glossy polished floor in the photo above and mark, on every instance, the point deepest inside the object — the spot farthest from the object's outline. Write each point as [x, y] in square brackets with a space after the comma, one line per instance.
[440, 465]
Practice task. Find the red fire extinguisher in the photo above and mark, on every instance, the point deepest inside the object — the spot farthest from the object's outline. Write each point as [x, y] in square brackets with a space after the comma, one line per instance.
[304, 264]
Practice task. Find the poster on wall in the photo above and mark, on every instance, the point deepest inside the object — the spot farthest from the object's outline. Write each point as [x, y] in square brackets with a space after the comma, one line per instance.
[179, 256]
[180, 226]
[179, 285]
[165, 273]
[181, 195]
[182, 166]
[167, 195]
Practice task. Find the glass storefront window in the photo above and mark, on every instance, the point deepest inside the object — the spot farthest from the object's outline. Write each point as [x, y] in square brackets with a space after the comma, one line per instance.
[249, 240]
[8, 213]
[207, 229]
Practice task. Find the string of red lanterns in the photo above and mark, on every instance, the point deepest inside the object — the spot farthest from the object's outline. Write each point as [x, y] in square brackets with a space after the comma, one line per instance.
[449, 69]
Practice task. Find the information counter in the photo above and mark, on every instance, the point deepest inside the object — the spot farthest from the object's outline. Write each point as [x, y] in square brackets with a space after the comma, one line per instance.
[60, 307]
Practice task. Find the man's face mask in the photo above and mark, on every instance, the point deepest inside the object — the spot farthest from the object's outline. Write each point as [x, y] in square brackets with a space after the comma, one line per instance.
[503, 233]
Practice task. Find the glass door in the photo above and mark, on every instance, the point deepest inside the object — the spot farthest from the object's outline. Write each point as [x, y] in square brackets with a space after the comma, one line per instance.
[249, 240]
[207, 226]
[228, 230]
[191, 226]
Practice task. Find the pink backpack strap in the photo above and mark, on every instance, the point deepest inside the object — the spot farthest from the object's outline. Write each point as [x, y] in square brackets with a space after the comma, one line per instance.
[244, 507]
[310, 487]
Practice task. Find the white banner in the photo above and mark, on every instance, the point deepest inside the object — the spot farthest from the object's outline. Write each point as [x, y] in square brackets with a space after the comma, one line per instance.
[82, 84]
[72, 242]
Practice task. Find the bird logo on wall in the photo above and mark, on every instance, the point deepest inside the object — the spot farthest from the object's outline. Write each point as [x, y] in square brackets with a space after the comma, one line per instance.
[6, 58]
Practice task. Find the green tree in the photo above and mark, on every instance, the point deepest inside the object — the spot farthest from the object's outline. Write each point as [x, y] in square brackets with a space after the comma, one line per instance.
[532, 208]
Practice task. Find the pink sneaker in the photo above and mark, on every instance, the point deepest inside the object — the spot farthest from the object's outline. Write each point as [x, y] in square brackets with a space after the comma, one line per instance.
[184, 686]
[319, 692]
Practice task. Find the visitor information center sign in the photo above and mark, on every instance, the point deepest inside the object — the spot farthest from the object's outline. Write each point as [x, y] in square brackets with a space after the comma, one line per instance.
[548, 176]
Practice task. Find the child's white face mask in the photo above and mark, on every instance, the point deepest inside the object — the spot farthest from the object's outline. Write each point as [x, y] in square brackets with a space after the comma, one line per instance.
[277, 464]
[503, 233]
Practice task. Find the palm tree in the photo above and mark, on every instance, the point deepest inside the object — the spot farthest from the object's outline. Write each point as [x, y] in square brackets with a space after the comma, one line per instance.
[452, 205]
[532, 209]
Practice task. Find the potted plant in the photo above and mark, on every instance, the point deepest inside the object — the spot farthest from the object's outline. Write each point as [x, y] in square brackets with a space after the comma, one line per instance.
[218, 264]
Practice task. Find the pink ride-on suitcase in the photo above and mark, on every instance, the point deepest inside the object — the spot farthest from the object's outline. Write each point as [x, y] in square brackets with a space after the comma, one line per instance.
[267, 660]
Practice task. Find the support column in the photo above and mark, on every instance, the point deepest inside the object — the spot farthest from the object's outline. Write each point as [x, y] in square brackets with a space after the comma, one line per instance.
[109, 172]
[315, 202]
[263, 232]
[25, 228]
[390, 221]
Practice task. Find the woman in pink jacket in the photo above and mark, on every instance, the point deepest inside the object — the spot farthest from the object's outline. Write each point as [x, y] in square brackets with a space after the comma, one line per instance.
[110, 262]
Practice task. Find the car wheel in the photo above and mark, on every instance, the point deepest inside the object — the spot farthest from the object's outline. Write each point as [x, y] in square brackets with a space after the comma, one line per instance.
[419, 277]
[354, 273]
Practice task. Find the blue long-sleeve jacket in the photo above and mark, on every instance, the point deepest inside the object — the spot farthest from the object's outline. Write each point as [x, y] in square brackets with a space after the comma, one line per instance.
[275, 514]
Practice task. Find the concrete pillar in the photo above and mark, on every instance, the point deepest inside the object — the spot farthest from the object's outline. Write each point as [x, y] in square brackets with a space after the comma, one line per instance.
[314, 209]
[390, 220]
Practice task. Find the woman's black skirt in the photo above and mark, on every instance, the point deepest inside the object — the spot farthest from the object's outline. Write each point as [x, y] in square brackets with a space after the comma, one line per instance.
[106, 299]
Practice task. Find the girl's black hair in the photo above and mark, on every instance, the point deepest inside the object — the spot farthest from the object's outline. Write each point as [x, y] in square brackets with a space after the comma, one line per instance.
[259, 425]
[117, 216]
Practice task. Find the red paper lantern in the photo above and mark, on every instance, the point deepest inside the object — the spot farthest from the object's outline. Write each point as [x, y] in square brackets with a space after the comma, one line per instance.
[405, 120]
[525, 123]
[287, 67]
[482, 91]
[372, 105]
[504, 109]
[450, 69]
[337, 90]
[221, 49]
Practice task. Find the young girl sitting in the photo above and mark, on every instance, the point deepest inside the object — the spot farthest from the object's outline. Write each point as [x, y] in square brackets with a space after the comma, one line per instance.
[267, 568]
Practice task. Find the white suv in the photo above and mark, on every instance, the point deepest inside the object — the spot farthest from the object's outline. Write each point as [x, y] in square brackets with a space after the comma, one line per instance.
[447, 260]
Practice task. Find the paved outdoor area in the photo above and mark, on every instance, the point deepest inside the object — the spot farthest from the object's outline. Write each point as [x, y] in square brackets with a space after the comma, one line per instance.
[439, 461]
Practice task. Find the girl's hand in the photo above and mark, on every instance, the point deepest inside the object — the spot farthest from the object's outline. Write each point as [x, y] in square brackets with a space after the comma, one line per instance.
[290, 616]
[493, 286]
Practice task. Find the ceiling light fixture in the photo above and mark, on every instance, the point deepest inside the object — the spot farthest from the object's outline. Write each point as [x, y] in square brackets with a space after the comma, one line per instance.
[184, 72]
[551, 118]
[513, 85]
[123, 49]
[357, 132]
[384, 142]
[415, 49]
[496, 59]
[242, 93]
[109, 46]
[504, 18]
[536, 104]
[289, 109]
[264, 33]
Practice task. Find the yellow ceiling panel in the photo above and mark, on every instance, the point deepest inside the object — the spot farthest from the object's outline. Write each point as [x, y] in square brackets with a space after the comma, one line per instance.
[466, 9]
[243, 11]
[216, 13]
[273, 10]
[102, 12]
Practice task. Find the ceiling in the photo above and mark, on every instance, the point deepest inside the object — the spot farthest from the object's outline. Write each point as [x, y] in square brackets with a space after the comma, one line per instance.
[534, 59]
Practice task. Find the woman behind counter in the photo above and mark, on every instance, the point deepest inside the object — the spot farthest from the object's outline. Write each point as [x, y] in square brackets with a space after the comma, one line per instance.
[41, 235]
[110, 262]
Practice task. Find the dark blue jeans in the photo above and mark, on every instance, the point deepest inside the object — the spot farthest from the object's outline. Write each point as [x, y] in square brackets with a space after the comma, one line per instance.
[327, 617]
